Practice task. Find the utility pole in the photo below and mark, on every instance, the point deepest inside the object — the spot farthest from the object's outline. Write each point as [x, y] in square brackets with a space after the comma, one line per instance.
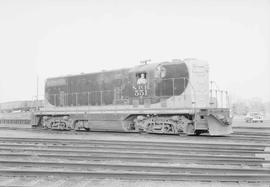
[211, 92]
[37, 95]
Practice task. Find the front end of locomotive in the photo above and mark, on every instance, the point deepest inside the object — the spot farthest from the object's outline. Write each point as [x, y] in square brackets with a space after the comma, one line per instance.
[212, 110]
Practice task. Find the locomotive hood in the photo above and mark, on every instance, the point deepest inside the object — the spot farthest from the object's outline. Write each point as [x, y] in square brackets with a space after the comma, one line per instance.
[144, 68]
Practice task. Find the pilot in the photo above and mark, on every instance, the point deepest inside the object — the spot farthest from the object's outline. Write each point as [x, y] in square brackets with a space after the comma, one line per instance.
[142, 79]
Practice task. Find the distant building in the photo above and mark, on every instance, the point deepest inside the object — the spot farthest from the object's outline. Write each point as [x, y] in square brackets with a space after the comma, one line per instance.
[22, 106]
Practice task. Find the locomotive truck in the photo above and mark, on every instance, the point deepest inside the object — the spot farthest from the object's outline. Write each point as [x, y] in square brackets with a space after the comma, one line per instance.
[171, 97]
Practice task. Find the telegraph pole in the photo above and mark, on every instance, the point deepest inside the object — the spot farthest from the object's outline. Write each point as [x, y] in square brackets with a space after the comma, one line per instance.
[37, 95]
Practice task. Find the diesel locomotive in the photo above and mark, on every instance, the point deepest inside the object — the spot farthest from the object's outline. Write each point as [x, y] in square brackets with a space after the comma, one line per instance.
[170, 97]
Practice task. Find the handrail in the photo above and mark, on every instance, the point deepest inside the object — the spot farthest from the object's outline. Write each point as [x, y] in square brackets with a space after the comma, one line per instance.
[219, 96]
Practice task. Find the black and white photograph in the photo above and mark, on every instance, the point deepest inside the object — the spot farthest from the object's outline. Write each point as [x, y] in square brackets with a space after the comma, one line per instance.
[134, 93]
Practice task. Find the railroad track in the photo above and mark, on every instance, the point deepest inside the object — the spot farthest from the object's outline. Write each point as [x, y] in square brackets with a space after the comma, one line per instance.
[99, 147]
[136, 159]
[144, 176]
[177, 143]
[132, 167]
[237, 136]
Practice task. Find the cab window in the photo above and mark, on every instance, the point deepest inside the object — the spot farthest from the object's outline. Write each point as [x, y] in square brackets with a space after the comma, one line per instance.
[141, 78]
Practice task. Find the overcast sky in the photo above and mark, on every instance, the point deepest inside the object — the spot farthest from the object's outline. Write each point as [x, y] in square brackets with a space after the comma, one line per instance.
[53, 38]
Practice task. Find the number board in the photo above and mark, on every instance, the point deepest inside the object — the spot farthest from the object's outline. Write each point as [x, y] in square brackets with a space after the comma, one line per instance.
[140, 90]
